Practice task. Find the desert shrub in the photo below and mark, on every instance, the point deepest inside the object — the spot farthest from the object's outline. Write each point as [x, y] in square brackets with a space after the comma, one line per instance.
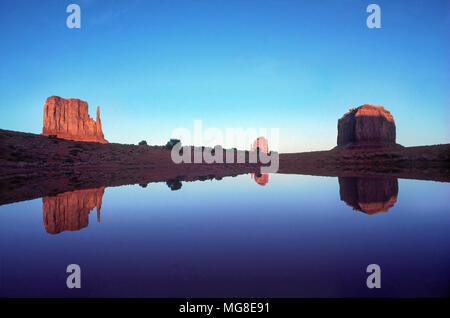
[171, 143]
[143, 143]
[174, 184]
[74, 152]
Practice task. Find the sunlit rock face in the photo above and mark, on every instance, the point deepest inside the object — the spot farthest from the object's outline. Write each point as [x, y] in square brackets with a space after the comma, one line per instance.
[366, 126]
[69, 119]
[261, 143]
[69, 211]
[369, 195]
[261, 179]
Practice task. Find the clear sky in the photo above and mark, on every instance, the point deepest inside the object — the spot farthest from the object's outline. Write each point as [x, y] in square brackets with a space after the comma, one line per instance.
[153, 66]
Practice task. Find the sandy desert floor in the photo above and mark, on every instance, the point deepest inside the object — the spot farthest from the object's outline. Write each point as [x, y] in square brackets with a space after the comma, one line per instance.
[33, 166]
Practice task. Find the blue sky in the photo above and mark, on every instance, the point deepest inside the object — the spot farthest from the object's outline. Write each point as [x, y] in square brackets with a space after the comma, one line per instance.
[153, 66]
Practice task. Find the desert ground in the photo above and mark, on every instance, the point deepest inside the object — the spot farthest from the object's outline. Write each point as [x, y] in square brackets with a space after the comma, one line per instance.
[32, 166]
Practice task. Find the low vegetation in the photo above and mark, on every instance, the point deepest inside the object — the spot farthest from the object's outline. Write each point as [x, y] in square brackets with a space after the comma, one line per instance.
[171, 143]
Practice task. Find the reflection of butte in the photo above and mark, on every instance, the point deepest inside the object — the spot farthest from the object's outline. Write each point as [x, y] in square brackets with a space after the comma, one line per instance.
[69, 211]
[261, 179]
[369, 195]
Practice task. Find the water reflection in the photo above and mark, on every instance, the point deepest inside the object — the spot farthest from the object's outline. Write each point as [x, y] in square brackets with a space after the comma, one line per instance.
[69, 211]
[369, 195]
[174, 184]
[261, 179]
[155, 241]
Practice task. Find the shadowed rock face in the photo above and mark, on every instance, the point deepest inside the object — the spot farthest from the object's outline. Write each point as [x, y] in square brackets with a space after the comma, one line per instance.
[369, 195]
[69, 119]
[366, 126]
[69, 211]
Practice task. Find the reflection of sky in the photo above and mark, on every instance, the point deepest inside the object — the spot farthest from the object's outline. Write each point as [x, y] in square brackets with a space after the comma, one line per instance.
[293, 237]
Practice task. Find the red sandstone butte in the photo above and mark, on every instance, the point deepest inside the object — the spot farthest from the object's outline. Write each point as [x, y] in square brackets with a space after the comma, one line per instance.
[366, 126]
[69, 211]
[261, 143]
[69, 119]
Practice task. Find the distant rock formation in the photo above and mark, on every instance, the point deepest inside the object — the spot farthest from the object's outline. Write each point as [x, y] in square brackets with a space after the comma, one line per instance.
[69, 119]
[261, 143]
[366, 126]
[69, 211]
[369, 195]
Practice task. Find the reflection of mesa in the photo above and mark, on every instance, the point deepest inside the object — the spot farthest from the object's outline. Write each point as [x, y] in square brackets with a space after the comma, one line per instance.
[369, 195]
[69, 211]
[69, 119]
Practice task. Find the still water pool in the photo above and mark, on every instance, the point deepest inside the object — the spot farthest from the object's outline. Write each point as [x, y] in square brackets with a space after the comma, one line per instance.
[284, 236]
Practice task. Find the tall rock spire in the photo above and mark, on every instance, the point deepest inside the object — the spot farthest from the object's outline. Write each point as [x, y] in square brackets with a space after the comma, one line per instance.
[98, 123]
[98, 114]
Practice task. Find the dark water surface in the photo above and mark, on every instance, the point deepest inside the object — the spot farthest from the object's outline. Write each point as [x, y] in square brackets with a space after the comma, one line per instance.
[295, 236]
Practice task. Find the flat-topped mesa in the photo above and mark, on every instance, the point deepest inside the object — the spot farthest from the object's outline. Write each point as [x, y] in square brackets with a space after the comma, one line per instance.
[366, 126]
[69, 119]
